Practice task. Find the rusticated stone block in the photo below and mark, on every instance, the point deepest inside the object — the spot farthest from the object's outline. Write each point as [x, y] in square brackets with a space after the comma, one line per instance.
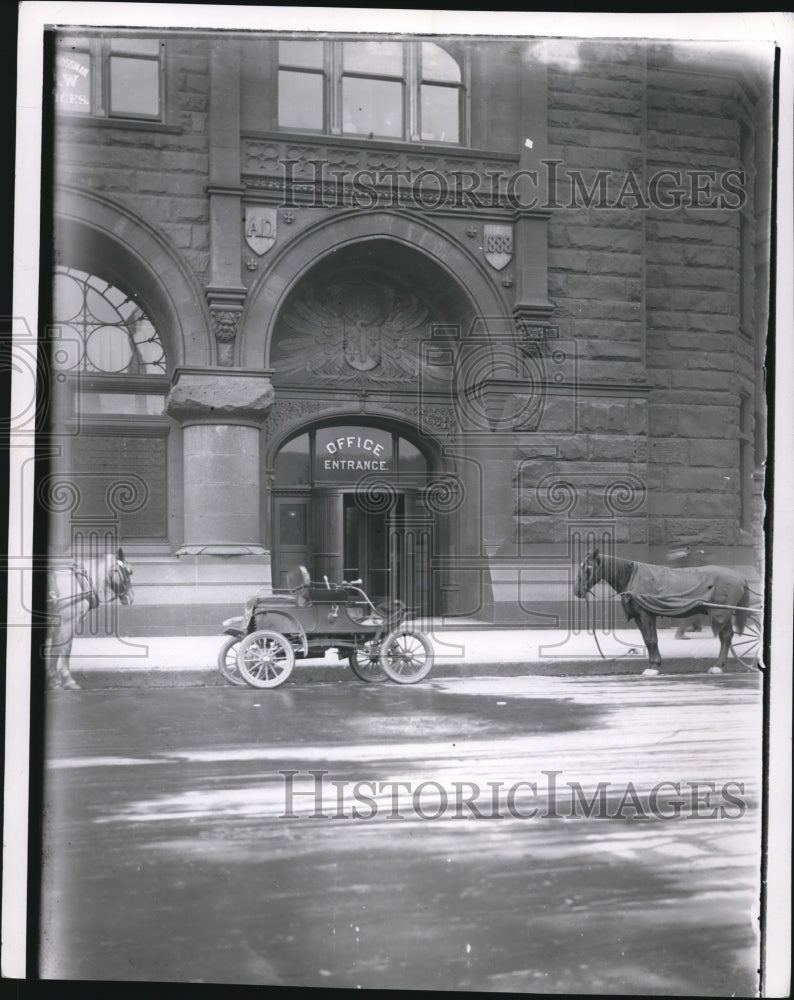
[667, 451]
[611, 350]
[717, 505]
[666, 504]
[695, 300]
[575, 449]
[616, 416]
[558, 414]
[722, 340]
[713, 480]
[638, 528]
[705, 531]
[617, 311]
[615, 448]
[587, 238]
[601, 287]
[694, 322]
[543, 529]
[199, 394]
[701, 380]
[720, 452]
[708, 422]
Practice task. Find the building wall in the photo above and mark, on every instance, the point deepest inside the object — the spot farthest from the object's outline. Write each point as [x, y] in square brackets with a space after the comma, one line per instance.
[157, 171]
[642, 323]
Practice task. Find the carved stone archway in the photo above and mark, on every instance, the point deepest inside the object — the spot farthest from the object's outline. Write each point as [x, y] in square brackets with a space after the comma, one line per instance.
[442, 261]
[102, 237]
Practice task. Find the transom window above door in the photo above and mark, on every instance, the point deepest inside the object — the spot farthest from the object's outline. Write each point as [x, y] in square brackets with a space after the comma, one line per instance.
[345, 454]
[411, 91]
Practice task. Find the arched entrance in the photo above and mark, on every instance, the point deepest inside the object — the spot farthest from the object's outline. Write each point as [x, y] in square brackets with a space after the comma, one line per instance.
[348, 502]
[365, 338]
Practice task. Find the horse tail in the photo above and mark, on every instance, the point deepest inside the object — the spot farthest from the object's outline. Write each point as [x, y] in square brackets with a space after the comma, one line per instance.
[740, 617]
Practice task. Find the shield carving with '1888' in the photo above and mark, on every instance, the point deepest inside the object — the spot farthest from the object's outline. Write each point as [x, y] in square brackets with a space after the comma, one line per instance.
[260, 228]
[498, 245]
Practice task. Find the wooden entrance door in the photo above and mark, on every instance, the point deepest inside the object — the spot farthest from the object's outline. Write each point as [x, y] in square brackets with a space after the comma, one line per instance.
[292, 537]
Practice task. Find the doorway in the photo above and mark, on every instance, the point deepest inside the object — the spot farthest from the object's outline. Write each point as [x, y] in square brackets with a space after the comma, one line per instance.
[347, 504]
[371, 547]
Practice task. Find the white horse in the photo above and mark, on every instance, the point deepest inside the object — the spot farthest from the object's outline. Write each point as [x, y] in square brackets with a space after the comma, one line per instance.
[73, 592]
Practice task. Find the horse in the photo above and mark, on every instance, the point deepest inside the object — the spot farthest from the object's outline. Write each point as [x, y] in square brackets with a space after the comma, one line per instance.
[73, 592]
[647, 590]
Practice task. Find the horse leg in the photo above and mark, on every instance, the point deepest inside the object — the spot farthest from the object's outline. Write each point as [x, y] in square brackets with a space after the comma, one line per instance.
[726, 636]
[64, 673]
[647, 626]
[51, 656]
[60, 649]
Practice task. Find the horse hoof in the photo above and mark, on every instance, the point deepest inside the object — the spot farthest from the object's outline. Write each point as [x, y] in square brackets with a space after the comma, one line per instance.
[715, 670]
[650, 672]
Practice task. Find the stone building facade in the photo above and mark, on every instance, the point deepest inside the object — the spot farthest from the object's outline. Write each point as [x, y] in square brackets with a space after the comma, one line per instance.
[439, 314]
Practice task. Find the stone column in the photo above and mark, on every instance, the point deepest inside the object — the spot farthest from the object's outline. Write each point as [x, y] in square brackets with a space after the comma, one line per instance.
[221, 413]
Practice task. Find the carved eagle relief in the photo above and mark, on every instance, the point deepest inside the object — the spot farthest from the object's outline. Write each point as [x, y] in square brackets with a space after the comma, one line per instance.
[348, 329]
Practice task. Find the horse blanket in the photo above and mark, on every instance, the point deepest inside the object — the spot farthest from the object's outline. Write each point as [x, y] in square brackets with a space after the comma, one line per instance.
[663, 590]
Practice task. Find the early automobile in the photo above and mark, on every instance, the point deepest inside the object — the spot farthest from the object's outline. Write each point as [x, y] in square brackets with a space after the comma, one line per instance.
[311, 618]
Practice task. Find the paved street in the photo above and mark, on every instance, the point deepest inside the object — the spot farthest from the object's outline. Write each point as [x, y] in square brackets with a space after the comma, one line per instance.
[429, 837]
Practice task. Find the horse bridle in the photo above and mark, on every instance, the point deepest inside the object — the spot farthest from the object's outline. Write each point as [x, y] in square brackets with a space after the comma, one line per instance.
[119, 569]
[586, 567]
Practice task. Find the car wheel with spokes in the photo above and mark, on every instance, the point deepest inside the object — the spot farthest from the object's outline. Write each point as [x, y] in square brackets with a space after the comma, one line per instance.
[365, 663]
[406, 657]
[265, 659]
[227, 661]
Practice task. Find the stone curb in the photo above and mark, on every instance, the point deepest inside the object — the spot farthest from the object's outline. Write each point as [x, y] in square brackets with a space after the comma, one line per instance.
[147, 677]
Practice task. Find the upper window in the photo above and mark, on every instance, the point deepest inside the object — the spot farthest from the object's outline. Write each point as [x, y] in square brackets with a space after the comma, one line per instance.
[388, 90]
[119, 77]
[100, 330]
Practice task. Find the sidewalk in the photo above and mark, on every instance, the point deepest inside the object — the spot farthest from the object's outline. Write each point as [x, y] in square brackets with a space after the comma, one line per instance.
[459, 651]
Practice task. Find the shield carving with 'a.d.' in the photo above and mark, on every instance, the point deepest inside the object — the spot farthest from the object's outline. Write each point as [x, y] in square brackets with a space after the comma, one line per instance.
[260, 227]
[498, 245]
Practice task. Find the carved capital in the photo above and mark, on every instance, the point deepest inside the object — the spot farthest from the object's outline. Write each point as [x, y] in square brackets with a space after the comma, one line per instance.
[225, 322]
[226, 308]
[531, 334]
[210, 396]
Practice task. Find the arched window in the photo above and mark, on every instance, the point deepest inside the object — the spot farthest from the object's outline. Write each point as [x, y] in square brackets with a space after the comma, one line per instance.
[375, 89]
[99, 329]
[109, 393]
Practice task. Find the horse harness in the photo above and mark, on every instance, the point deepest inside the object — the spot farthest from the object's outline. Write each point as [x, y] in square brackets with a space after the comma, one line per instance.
[88, 593]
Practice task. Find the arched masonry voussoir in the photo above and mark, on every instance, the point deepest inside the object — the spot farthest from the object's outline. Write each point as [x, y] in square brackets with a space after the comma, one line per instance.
[314, 245]
[97, 235]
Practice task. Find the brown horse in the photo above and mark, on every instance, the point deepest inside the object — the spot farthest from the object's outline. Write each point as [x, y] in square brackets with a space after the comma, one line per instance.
[647, 591]
[73, 592]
